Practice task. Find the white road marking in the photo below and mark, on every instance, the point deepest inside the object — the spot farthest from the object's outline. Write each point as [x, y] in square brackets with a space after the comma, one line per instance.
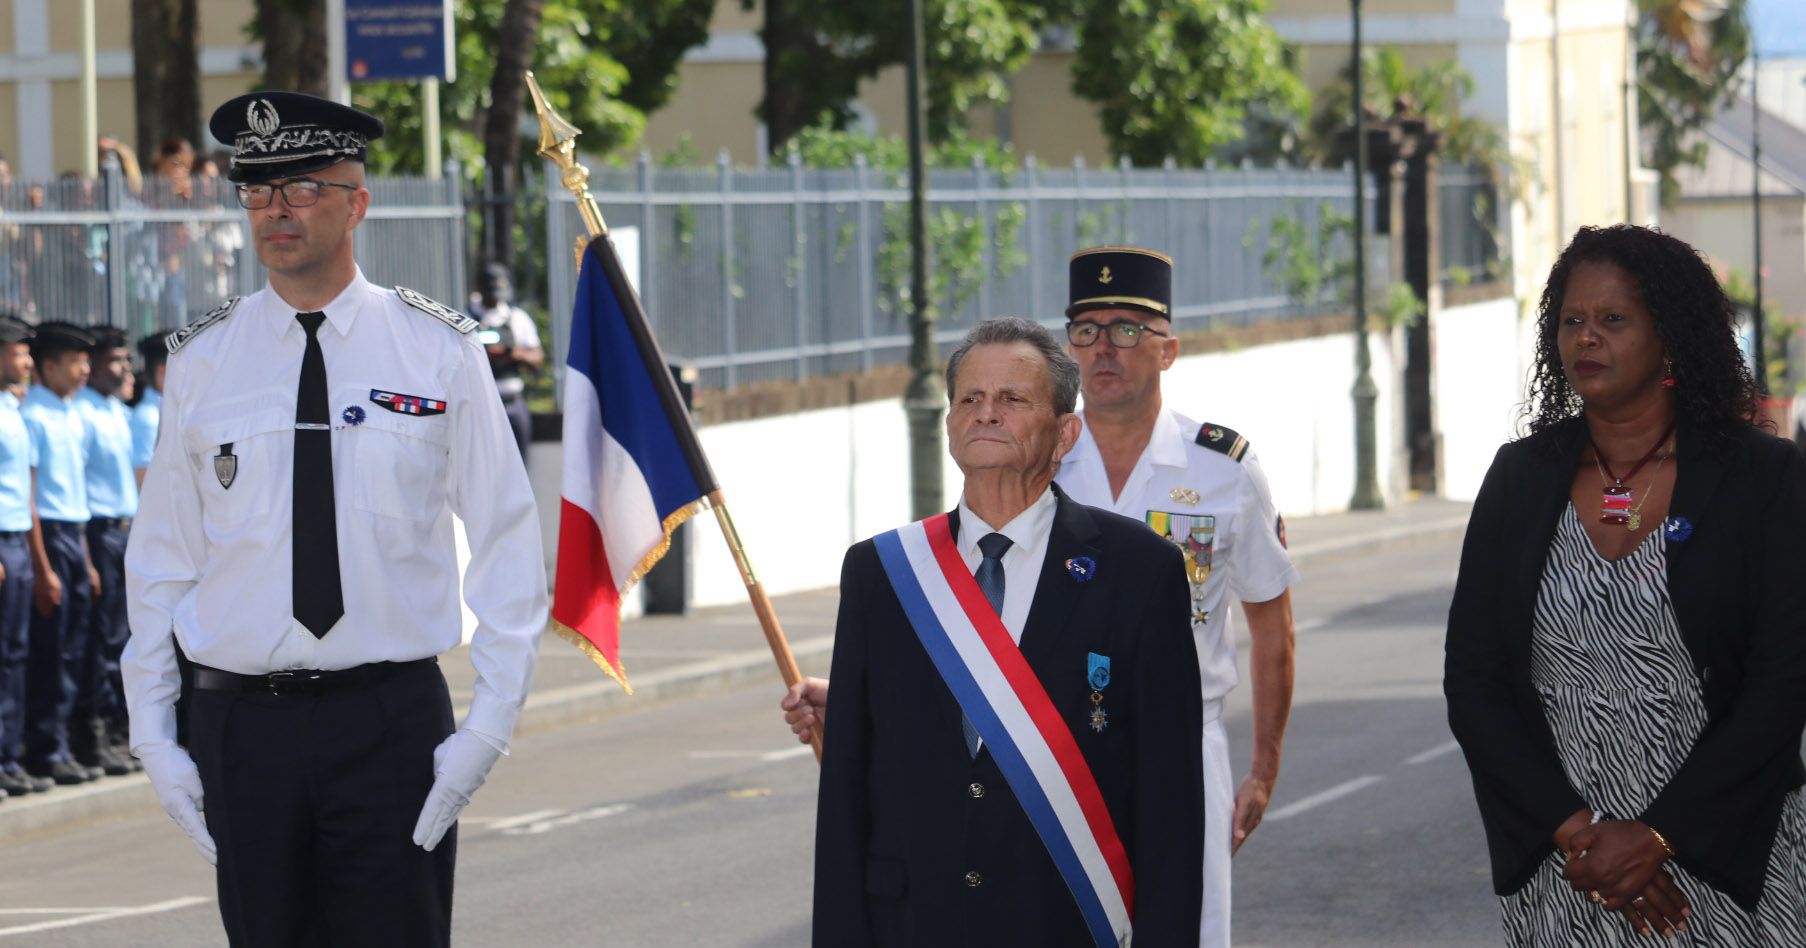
[1315, 800]
[785, 754]
[510, 822]
[1309, 625]
[547, 824]
[1433, 753]
[100, 915]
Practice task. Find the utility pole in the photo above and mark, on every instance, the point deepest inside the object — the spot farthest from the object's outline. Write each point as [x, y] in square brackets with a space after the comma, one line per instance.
[922, 400]
[1367, 481]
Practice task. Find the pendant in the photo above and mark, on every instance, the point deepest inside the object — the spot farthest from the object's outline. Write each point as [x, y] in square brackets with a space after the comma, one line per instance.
[1614, 505]
[1636, 521]
[1099, 717]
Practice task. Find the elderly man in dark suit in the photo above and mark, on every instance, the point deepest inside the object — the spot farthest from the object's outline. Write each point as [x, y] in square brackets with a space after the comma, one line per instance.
[1015, 756]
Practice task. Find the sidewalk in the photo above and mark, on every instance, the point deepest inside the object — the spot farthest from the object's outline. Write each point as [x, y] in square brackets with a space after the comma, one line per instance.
[675, 657]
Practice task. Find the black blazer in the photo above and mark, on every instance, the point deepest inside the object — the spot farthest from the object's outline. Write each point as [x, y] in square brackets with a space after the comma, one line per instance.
[904, 813]
[1738, 583]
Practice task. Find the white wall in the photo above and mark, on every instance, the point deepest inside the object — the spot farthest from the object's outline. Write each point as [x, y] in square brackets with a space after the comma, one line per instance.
[1482, 355]
[804, 487]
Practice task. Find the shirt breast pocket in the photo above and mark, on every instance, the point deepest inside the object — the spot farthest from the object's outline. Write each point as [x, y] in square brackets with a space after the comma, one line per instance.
[239, 466]
[398, 464]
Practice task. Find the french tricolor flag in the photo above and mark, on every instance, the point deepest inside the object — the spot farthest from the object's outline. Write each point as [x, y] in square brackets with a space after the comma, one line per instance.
[633, 469]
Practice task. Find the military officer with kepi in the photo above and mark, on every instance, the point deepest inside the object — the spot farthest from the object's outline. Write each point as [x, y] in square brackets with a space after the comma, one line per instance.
[1200, 486]
[294, 537]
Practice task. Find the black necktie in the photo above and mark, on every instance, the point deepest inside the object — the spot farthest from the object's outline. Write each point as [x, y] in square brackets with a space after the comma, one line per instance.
[990, 582]
[319, 602]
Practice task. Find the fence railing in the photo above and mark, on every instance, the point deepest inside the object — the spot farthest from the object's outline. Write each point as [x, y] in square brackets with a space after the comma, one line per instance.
[797, 272]
[88, 251]
[1471, 221]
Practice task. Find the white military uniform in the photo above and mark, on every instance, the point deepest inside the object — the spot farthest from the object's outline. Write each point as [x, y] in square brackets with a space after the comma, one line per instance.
[1200, 486]
[209, 562]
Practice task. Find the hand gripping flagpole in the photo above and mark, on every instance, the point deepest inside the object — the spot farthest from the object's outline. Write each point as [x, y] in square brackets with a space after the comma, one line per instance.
[558, 144]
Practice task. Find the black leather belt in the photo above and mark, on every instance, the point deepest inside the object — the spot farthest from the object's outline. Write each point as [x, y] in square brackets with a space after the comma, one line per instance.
[308, 682]
[112, 523]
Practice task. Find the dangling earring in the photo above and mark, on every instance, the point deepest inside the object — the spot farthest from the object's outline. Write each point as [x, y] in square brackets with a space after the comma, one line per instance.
[1667, 373]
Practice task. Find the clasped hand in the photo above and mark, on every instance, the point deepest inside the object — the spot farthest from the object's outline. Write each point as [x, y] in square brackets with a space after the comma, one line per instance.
[1621, 860]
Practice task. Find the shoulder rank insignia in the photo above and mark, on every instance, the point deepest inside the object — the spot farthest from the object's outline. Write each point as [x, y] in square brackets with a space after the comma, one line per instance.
[218, 314]
[1225, 440]
[437, 310]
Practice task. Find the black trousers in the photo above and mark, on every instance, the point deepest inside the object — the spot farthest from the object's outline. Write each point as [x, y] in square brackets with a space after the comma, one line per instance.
[15, 644]
[102, 693]
[59, 649]
[312, 802]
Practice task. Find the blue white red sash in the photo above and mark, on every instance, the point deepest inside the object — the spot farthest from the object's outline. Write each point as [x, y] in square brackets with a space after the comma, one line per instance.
[1010, 709]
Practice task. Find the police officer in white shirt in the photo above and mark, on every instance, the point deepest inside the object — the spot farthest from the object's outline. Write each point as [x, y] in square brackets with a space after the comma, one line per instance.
[1200, 486]
[295, 538]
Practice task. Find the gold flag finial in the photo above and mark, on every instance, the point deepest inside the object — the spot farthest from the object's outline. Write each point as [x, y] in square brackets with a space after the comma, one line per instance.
[558, 144]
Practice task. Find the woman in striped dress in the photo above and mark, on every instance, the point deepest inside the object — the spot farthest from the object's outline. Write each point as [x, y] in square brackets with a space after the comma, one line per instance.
[1626, 656]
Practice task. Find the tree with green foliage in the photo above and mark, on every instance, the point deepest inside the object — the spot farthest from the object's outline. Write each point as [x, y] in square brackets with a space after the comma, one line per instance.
[817, 52]
[1177, 78]
[1393, 90]
[1689, 55]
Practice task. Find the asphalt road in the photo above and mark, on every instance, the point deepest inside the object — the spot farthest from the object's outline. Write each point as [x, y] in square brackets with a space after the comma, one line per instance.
[690, 823]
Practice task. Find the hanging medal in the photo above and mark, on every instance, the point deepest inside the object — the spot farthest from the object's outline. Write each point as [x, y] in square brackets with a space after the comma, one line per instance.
[1615, 502]
[1097, 674]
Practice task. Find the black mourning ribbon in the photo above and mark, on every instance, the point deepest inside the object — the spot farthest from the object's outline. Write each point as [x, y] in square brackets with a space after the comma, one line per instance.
[319, 601]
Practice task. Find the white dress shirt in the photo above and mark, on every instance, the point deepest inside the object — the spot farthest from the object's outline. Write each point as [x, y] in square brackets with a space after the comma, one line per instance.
[209, 564]
[1229, 503]
[1028, 534]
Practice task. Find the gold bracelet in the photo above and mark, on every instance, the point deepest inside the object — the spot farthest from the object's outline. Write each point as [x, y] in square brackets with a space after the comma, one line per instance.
[1664, 841]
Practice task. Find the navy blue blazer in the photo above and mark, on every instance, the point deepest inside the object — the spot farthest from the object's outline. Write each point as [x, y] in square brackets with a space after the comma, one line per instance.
[1738, 583]
[905, 814]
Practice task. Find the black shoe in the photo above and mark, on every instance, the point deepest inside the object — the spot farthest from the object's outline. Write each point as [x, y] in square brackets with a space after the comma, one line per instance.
[65, 773]
[111, 763]
[119, 737]
[31, 784]
[14, 786]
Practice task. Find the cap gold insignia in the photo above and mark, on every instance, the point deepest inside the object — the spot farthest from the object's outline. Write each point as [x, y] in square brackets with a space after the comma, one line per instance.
[1105, 276]
[1184, 495]
[262, 118]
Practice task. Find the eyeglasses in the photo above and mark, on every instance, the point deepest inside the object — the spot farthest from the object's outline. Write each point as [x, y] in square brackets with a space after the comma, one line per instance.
[1124, 334]
[301, 192]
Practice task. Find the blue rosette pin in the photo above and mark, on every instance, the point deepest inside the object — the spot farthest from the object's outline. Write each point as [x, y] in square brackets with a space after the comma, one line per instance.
[1677, 529]
[353, 415]
[1082, 569]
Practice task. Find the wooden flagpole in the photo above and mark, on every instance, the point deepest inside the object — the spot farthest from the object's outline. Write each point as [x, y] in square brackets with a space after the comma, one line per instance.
[558, 144]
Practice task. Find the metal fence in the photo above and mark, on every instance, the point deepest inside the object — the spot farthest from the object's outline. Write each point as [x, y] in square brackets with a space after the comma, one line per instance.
[792, 273]
[1470, 220]
[90, 251]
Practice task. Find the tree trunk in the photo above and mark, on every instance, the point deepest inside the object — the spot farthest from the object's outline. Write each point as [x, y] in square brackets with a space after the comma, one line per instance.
[786, 36]
[166, 76]
[515, 39]
[294, 44]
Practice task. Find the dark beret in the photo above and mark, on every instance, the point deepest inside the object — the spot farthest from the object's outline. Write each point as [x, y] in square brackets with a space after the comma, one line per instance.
[61, 337]
[106, 338]
[14, 330]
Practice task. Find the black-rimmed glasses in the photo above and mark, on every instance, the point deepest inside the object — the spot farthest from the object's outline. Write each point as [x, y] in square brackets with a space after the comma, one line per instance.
[301, 192]
[1124, 334]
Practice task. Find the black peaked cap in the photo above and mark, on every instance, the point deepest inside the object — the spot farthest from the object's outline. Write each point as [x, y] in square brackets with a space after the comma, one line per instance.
[61, 337]
[279, 134]
[1120, 278]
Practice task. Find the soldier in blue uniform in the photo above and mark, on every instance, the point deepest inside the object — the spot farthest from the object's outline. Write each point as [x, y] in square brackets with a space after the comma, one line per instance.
[63, 585]
[97, 729]
[148, 410]
[15, 558]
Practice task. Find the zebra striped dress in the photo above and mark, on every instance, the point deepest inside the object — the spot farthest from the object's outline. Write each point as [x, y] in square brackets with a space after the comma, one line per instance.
[1619, 690]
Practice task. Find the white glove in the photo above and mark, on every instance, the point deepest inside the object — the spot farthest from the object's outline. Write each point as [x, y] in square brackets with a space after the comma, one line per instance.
[178, 784]
[460, 765]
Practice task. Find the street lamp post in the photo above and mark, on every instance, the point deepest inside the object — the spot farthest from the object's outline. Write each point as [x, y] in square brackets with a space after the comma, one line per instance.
[1756, 343]
[922, 402]
[1367, 482]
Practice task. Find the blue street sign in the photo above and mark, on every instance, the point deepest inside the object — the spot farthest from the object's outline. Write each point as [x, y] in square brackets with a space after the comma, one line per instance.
[398, 39]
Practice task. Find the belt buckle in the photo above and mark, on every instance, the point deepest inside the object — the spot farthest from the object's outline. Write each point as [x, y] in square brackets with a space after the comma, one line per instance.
[278, 681]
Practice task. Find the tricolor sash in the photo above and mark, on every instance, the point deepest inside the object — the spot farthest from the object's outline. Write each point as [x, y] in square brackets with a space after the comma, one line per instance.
[1008, 706]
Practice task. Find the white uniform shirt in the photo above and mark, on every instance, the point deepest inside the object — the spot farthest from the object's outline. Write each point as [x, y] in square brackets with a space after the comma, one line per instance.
[1217, 509]
[1028, 534]
[209, 564]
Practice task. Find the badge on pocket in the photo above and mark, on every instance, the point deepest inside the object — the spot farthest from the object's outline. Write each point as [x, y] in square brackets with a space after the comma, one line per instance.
[225, 466]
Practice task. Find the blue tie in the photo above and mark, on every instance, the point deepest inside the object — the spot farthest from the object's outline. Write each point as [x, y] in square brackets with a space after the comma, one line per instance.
[990, 582]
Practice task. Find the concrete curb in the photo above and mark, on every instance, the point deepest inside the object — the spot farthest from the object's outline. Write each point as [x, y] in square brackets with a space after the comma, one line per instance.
[117, 797]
